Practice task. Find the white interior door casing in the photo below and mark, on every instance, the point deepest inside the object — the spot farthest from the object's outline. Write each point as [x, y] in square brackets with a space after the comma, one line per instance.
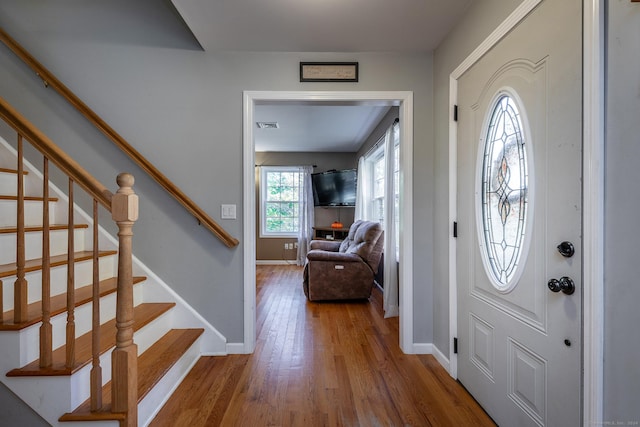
[520, 343]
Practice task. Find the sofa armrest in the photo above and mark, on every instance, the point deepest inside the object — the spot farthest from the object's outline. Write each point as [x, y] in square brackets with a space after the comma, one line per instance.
[325, 245]
[320, 255]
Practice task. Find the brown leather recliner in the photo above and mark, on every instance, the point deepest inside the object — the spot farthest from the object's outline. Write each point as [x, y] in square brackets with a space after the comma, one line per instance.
[344, 270]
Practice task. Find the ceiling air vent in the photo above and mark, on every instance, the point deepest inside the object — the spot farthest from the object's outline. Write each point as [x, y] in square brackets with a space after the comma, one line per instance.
[267, 125]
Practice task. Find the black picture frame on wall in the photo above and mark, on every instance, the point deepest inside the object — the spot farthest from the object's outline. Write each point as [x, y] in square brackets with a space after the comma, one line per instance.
[329, 72]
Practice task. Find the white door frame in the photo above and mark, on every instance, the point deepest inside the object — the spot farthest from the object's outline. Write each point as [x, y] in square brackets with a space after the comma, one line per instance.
[593, 195]
[404, 100]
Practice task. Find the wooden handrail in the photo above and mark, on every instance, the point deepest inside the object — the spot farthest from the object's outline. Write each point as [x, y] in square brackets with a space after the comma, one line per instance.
[49, 149]
[51, 81]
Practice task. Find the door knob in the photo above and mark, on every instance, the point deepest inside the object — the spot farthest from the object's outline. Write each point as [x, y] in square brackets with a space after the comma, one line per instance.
[566, 249]
[565, 284]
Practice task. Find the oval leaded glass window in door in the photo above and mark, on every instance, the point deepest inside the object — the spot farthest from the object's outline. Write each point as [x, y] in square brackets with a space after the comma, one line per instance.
[503, 201]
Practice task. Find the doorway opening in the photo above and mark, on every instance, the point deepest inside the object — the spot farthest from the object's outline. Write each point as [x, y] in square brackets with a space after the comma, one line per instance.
[404, 101]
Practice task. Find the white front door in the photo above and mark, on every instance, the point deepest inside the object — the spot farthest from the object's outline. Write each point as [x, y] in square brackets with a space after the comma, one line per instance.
[519, 206]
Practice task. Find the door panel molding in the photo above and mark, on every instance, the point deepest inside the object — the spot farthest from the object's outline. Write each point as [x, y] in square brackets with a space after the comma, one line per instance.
[526, 368]
[482, 345]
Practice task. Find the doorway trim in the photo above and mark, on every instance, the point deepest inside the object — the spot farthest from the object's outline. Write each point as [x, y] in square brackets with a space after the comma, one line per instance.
[402, 99]
[593, 195]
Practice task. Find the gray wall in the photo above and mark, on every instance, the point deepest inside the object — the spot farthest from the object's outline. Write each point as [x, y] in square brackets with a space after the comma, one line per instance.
[622, 200]
[378, 132]
[272, 248]
[479, 21]
[139, 68]
[14, 412]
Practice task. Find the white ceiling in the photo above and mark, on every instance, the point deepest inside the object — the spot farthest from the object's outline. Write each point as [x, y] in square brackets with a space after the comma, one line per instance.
[317, 128]
[321, 25]
[406, 26]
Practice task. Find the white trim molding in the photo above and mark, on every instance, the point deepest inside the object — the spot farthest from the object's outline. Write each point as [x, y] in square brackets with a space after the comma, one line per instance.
[402, 99]
[593, 209]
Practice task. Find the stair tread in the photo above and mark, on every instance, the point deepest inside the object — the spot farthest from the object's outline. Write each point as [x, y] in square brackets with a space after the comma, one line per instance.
[32, 228]
[153, 364]
[14, 171]
[7, 270]
[28, 198]
[143, 315]
[82, 295]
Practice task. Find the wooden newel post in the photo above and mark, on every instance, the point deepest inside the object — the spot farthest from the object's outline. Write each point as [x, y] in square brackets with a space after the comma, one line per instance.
[124, 359]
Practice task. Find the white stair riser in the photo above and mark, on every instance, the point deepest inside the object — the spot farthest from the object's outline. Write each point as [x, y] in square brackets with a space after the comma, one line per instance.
[81, 380]
[48, 396]
[32, 213]
[33, 244]
[83, 272]
[29, 337]
[9, 351]
[9, 184]
[143, 338]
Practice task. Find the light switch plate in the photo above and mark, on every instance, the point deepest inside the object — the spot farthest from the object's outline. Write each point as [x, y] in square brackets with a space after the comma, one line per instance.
[228, 212]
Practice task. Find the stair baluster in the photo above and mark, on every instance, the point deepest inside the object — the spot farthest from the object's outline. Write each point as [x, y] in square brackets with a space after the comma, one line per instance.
[20, 286]
[96, 369]
[46, 344]
[1, 303]
[124, 358]
[158, 360]
[71, 321]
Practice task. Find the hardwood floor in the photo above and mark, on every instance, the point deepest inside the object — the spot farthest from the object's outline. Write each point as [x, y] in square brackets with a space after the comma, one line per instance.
[319, 364]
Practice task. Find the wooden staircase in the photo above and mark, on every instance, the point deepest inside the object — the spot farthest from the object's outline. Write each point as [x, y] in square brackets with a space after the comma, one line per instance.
[169, 336]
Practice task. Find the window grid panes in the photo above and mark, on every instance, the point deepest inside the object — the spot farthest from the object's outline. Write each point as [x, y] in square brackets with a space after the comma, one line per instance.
[281, 189]
[377, 203]
[396, 187]
[504, 191]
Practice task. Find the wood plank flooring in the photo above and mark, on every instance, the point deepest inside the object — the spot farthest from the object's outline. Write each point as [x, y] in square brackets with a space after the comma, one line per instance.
[319, 364]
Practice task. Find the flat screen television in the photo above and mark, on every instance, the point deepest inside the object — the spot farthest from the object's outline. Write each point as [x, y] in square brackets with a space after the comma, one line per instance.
[335, 188]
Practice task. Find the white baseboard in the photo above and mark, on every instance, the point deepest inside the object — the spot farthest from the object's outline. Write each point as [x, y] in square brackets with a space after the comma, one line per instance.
[275, 262]
[441, 358]
[422, 348]
[236, 348]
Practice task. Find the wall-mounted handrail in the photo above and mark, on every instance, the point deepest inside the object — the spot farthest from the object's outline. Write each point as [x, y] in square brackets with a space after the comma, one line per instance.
[51, 81]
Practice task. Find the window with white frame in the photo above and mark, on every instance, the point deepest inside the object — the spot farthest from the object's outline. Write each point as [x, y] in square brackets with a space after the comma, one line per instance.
[280, 189]
[377, 178]
[376, 159]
